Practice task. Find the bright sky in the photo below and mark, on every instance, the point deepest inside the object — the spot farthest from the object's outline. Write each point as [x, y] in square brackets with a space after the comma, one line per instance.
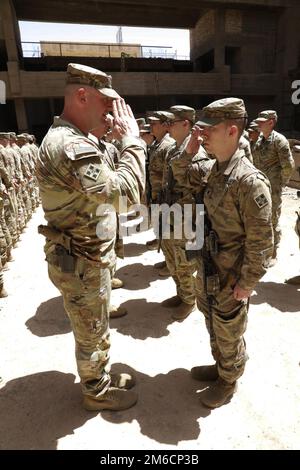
[178, 39]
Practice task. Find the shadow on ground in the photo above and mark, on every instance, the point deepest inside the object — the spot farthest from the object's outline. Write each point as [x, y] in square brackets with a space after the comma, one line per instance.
[37, 410]
[50, 319]
[137, 276]
[168, 408]
[144, 320]
[134, 249]
[284, 297]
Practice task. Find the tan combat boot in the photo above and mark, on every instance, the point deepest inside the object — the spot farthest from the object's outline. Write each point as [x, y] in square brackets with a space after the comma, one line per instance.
[116, 283]
[117, 312]
[293, 281]
[152, 244]
[123, 380]
[3, 292]
[164, 272]
[160, 265]
[183, 311]
[218, 393]
[174, 301]
[114, 399]
[205, 373]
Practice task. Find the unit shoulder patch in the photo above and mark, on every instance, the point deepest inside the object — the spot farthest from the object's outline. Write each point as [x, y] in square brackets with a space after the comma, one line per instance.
[92, 172]
[261, 201]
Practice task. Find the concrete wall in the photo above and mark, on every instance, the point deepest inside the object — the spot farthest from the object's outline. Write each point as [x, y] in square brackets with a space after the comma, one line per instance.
[68, 49]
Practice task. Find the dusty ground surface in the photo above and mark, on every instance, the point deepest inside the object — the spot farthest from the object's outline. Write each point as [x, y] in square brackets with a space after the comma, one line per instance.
[40, 399]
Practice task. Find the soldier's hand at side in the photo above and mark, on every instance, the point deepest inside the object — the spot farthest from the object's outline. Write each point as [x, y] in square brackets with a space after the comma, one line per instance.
[124, 121]
[240, 294]
[195, 140]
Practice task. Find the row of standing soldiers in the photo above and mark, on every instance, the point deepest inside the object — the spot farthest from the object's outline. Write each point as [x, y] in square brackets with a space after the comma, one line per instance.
[19, 194]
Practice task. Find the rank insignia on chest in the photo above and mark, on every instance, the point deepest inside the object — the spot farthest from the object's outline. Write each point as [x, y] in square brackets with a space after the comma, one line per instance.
[261, 201]
[92, 172]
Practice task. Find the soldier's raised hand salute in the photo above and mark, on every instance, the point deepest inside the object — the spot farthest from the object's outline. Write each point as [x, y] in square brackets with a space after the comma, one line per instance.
[124, 121]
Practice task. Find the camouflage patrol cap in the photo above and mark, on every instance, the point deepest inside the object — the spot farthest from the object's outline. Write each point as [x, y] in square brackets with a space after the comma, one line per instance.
[162, 116]
[141, 122]
[222, 110]
[182, 112]
[84, 75]
[22, 137]
[266, 115]
[4, 135]
[253, 126]
[146, 129]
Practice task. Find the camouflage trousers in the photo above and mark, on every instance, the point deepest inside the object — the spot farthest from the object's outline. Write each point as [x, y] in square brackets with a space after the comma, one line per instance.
[226, 322]
[3, 247]
[7, 242]
[276, 193]
[180, 269]
[1, 276]
[86, 296]
[10, 217]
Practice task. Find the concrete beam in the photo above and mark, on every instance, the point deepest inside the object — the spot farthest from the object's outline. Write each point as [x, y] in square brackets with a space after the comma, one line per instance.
[113, 13]
[51, 84]
[156, 13]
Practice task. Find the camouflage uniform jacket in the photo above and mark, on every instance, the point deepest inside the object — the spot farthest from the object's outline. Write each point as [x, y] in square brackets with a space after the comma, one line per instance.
[273, 157]
[157, 156]
[77, 185]
[9, 162]
[245, 145]
[112, 153]
[4, 174]
[238, 204]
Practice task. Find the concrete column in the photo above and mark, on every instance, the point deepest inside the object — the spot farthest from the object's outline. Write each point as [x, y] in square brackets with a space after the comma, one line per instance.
[219, 51]
[287, 60]
[21, 115]
[11, 31]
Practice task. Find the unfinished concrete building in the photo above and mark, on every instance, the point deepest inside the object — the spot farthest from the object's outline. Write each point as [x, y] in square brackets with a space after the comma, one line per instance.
[245, 48]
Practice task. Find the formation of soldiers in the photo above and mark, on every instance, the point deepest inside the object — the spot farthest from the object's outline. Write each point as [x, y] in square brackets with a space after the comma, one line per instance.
[187, 162]
[19, 194]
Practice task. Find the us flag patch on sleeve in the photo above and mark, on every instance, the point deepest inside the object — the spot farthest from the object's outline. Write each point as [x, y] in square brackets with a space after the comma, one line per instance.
[261, 201]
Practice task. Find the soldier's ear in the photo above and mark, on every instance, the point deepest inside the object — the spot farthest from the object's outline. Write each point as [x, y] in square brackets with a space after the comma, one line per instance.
[233, 130]
[81, 95]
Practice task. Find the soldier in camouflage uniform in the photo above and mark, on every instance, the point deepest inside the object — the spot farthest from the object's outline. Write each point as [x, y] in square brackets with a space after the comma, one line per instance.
[253, 133]
[145, 134]
[112, 156]
[19, 178]
[6, 240]
[272, 155]
[78, 190]
[28, 170]
[245, 145]
[181, 269]
[238, 242]
[3, 292]
[157, 153]
[295, 281]
[10, 207]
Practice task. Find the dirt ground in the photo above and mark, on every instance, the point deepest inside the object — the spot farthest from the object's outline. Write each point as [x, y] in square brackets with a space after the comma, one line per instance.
[40, 398]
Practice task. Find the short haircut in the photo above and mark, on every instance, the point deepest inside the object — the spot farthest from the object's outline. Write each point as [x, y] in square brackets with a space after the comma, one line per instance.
[240, 123]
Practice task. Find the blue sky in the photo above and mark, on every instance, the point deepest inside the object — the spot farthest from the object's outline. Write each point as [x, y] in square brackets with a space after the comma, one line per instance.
[178, 39]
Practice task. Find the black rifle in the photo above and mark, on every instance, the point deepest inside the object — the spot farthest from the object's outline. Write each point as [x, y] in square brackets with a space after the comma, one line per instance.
[210, 272]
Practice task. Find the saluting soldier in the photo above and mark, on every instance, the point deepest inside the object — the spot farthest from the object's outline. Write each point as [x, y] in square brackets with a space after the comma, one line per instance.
[78, 190]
